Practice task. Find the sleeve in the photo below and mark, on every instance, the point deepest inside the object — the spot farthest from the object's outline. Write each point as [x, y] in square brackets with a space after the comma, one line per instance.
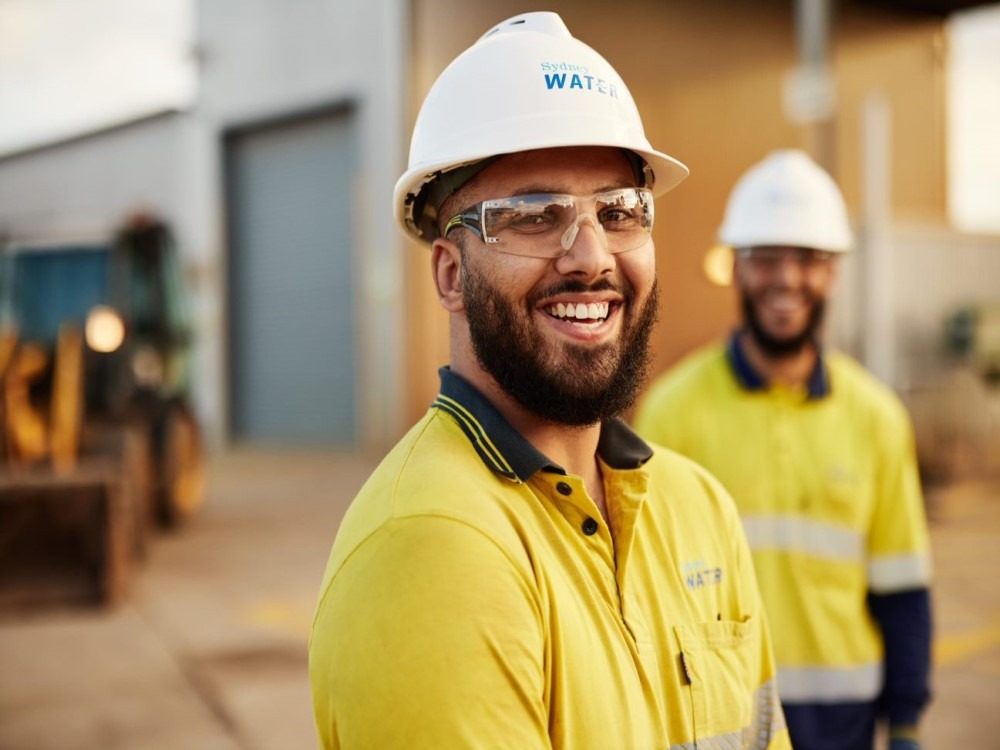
[905, 620]
[899, 577]
[898, 542]
[429, 636]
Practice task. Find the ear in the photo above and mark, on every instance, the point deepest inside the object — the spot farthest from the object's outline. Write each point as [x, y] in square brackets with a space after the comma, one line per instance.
[834, 273]
[739, 266]
[446, 265]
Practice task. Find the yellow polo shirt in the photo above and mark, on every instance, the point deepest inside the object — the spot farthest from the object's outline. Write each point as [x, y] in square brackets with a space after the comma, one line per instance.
[475, 598]
[827, 485]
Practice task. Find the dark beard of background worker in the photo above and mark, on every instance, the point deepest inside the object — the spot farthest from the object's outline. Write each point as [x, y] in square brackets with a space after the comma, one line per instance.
[522, 570]
[777, 347]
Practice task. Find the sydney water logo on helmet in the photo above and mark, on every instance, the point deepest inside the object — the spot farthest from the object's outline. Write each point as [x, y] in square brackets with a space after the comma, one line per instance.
[564, 75]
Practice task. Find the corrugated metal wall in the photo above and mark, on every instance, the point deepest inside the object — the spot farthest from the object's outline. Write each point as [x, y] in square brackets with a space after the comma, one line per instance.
[292, 301]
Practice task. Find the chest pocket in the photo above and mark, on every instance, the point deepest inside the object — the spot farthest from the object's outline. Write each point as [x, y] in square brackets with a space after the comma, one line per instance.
[718, 660]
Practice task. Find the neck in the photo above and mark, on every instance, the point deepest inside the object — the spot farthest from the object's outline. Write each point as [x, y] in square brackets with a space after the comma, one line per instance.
[572, 447]
[793, 369]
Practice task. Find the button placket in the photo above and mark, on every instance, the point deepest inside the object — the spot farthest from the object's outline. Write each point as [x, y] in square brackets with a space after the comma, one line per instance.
[580, 516]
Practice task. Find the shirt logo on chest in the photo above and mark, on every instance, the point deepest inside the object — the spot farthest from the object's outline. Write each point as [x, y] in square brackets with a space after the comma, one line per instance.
[699, 574]
[841, 474]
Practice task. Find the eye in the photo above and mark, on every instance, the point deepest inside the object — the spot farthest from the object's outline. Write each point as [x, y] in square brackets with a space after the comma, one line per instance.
[522, 222]
[613, 216]
[618, 217]
[529, 221]
[623, 210]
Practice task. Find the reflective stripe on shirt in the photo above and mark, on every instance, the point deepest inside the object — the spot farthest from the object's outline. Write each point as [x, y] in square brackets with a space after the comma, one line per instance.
[796, 534]
[899, 573]
[816, 684]
[767, 722]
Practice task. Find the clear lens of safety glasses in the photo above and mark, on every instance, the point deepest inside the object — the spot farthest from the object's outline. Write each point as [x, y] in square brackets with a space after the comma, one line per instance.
[545, 225]
[767, 256]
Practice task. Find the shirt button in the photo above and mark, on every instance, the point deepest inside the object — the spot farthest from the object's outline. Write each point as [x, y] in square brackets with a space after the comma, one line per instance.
[590, 527]
[564, 489]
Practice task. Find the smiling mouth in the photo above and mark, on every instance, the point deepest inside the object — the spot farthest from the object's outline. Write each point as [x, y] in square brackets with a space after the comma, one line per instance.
[581, 312]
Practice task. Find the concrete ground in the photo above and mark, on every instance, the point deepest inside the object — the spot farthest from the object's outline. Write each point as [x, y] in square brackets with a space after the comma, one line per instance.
[209, 652]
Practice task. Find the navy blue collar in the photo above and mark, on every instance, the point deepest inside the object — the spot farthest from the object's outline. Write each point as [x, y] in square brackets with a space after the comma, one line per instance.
[818, 385]
[507, 452]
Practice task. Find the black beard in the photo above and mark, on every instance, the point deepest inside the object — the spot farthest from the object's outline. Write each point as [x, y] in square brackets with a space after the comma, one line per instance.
[787, 347]
[572, 385]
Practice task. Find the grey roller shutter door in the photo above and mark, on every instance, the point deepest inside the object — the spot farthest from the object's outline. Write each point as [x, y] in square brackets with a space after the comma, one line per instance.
[292, 313]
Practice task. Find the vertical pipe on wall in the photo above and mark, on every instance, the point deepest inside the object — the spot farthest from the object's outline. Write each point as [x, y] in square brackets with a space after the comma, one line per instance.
[874, 241]
[813, 81]
[812, 22]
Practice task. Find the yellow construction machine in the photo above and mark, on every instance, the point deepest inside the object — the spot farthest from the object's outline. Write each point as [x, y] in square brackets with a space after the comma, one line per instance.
[98, 438]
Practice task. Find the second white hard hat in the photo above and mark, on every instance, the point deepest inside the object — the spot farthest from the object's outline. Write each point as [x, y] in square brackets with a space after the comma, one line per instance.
[526, 84]
[787, 199]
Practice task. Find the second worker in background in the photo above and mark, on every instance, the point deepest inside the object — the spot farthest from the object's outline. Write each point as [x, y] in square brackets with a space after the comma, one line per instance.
[820, 459]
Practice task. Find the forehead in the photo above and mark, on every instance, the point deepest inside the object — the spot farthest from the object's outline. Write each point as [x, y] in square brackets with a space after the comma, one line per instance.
[578, 170]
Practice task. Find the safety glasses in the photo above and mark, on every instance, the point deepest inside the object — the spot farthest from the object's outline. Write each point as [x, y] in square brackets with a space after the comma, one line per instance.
[545, 225]
[771, 257]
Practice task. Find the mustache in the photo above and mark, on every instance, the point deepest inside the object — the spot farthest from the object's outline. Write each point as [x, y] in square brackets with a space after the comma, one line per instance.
[575, 286]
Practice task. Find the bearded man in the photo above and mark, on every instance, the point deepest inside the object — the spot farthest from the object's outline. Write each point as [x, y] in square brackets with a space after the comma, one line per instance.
[522, 570]
[820, 459]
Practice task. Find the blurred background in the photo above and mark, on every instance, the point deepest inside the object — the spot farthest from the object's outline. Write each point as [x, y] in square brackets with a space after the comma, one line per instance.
[210, 328]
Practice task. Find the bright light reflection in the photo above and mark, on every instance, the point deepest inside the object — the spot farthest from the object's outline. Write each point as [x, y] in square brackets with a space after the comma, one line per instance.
[718, 265]
[105, 329]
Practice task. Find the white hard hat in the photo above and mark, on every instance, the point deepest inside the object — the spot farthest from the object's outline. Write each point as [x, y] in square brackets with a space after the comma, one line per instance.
[526, 84]
[787, 199]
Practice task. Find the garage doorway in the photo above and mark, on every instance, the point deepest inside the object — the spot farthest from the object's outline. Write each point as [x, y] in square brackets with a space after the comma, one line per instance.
[292, 351]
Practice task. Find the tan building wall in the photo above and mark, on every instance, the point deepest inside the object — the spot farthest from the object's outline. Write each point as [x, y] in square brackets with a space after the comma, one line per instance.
[707, 78]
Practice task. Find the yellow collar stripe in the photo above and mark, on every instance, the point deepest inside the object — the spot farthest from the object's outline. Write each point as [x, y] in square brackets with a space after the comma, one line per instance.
[474, 430]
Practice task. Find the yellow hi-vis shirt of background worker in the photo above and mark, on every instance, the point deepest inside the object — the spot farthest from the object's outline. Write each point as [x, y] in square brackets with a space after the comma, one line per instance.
[830, 498]
[475, 598]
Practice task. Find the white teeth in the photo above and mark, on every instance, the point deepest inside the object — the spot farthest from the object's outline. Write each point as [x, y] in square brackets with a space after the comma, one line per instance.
[592, 311]
[784, 302]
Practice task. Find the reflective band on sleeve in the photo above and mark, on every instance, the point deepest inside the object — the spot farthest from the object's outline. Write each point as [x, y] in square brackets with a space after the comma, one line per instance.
[767, 721]
[889, 574]
[819, 685]
[794, 534]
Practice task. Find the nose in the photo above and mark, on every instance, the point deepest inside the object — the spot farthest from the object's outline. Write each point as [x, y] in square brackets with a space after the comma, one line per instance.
[586, 248]
[789, 270]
